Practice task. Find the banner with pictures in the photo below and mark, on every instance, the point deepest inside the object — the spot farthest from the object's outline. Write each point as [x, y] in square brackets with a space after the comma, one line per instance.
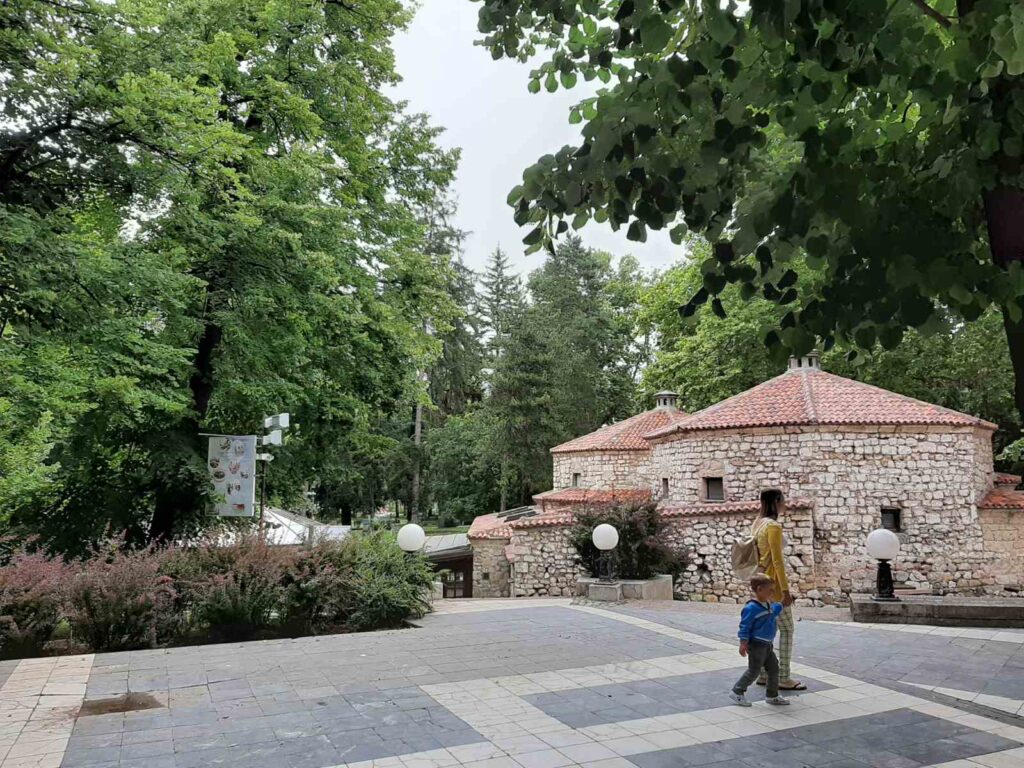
[231, 460]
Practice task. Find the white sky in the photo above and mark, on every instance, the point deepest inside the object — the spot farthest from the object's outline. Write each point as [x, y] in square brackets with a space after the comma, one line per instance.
[502, 129]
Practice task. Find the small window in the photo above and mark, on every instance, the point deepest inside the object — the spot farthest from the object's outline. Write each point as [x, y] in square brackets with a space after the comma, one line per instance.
[575, 479]
[487, 576]
[714, 489]
[891, 518]
[664, 487]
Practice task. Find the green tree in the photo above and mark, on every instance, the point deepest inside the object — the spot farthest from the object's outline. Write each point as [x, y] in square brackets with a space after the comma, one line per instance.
[883, 139]
[501, 301]
[210, 212]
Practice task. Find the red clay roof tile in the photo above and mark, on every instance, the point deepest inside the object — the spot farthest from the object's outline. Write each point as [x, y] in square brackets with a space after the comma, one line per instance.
[594, 495]
[675, 509]
[1002, 497]
[810, 396]
[1005, 478]
[625, 435]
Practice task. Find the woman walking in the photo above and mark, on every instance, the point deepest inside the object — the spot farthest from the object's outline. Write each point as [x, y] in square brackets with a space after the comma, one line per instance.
[768, 535]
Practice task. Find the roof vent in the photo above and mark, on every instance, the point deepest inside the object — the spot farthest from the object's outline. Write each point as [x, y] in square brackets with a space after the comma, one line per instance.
[666, 400]
[810, 361]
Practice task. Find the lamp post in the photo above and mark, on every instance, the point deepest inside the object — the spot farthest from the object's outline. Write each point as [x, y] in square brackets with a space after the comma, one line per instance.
[411, 538]
[883, 545]
[276, 425]
[605, 538]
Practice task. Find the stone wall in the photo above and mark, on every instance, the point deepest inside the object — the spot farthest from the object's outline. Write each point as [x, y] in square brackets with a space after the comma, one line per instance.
[1003, 531]
[931, 474]
[707, 541]
[490, 568]
[602, 469]
[545, 563]
[984, 469]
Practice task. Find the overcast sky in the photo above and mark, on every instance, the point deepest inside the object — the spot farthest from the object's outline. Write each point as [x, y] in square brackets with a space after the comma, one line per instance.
[502, 129]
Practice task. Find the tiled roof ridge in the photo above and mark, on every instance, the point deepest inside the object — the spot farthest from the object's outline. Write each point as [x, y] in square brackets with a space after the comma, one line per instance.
[809, 395]
[809, 410]
[602, 438]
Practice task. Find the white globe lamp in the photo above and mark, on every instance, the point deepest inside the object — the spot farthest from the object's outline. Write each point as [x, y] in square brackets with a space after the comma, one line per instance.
[883, 545]
[411, 538]
[605, 537]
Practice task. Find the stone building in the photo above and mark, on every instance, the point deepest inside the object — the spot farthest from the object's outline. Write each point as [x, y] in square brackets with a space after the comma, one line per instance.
[849, 457]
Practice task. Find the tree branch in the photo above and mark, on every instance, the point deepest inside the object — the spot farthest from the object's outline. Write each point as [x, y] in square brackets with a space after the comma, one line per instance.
[929, 11]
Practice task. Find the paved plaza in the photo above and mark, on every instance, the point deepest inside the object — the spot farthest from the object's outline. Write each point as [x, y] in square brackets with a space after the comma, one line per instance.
[526, 684]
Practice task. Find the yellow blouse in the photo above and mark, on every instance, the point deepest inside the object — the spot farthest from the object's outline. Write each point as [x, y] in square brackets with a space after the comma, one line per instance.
[770, 558]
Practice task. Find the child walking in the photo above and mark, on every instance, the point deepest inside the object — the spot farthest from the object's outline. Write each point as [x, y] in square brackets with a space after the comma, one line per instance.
[757, 634]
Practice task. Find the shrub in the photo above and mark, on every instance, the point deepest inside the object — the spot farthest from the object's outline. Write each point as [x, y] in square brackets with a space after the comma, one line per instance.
[390, 585]
[640, 553]
[234, 590]
[120, 600]
[31, 602]
[319, 588]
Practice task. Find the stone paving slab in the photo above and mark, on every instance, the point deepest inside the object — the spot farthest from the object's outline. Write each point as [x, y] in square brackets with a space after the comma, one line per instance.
[946, 657]
[491, 688]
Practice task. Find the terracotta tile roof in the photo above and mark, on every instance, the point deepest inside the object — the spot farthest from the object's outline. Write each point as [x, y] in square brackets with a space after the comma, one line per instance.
[489, 527]
[594, 495]
[746, 507]
[553, 519]
[1005, 478]
[811, 396]
[1003, 498]
[625, 435]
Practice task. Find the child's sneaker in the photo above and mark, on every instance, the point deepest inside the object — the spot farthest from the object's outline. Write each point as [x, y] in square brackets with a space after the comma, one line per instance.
[777, 701]
[740, 700]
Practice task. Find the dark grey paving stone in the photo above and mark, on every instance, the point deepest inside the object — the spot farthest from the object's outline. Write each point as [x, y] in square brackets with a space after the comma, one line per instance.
[941, 751]
[898, 739]
[627, 701]
[147, 749]
[90, 756]
[987, 742]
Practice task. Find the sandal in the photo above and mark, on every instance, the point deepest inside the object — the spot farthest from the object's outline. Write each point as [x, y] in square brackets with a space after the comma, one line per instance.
[793, 685]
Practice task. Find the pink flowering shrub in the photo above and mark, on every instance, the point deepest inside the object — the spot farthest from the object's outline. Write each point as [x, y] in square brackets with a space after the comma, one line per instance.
[31, 602]
[121, 600]
[234, 591]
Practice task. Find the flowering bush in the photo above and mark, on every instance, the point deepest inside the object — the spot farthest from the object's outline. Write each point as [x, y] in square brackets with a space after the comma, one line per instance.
[120, 600]
[236, 590]
[31, 602]
[640, 553]
[320, 588]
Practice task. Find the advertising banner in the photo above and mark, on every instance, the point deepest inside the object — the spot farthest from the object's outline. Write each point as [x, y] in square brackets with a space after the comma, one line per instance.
[231, 460]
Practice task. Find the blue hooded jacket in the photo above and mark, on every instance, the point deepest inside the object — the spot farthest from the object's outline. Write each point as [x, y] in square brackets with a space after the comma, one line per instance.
[757, 621]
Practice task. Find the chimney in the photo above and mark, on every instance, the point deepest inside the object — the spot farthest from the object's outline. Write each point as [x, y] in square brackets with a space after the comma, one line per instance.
[666, 400]
[810, 361]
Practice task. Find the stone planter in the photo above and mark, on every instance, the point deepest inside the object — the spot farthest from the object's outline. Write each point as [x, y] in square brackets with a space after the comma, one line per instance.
[658, 588]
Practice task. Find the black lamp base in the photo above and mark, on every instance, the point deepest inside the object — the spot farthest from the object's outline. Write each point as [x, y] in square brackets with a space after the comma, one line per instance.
[605, 568]
[884, 587]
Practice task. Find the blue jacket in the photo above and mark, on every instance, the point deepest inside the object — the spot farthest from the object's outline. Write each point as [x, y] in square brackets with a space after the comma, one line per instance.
[757, 621]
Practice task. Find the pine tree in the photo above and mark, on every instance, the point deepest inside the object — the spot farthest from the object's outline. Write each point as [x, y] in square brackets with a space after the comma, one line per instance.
[502, 301]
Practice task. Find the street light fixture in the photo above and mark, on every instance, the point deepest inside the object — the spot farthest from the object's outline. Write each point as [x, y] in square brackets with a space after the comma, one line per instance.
[883, 545]
[605, 538]
[411, 538]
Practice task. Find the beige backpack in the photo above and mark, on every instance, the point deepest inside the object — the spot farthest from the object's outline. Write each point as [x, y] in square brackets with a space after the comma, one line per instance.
[745, 556]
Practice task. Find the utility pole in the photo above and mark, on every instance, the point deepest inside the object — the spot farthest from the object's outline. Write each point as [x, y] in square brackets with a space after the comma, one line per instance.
[417, 436]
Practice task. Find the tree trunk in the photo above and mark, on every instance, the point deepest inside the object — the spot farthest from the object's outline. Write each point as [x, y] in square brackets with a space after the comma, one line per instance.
[1004, 214]
[172, 498]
